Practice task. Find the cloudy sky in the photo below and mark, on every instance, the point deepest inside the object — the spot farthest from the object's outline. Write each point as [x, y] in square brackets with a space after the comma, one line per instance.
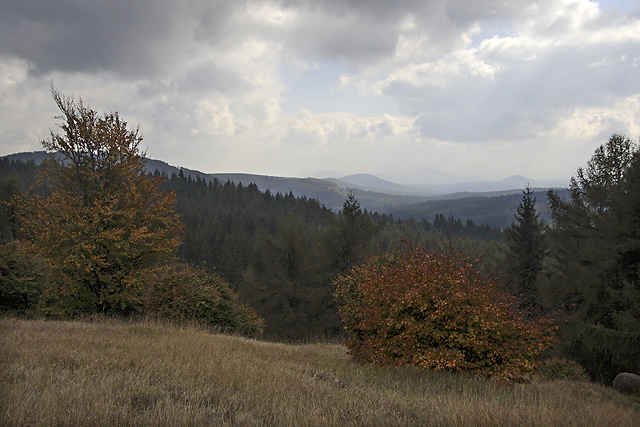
[485, 88]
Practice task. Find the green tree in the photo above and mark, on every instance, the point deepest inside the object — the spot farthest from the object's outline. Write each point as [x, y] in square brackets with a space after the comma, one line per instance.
[348, 237]
[627, 214]
[595, 246]
[106, 219]
[22, 275]
[527, 249]
[177, 291]
[10, 188]
[289, 284]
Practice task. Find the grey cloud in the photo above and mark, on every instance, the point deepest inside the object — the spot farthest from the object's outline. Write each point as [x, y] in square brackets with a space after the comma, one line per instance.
[456, 11]
[524, 98]
[611, 126]
[141, 38]
[344, 39]
[212, 19]
[365, 31]
[210, 77]
[128, 38]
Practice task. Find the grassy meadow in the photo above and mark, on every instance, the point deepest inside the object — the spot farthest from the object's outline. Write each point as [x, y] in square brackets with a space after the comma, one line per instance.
[109, 372]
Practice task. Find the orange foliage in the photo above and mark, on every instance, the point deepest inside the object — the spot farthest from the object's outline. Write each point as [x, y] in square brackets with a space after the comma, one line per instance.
[105, 220]
[437, 312]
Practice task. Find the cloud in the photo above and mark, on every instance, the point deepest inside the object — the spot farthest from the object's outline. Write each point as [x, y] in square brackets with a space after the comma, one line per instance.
[130, 39]
[522, 84]
[215, 85]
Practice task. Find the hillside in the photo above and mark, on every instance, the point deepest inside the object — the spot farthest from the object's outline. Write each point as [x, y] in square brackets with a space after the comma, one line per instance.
[494, 208]
[372, 183]
[107, 372]
[330, 193]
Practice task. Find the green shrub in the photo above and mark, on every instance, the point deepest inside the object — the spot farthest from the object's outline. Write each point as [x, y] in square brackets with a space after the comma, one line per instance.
[181, 292]
[21, 275]
[437, 312]
[555, 368]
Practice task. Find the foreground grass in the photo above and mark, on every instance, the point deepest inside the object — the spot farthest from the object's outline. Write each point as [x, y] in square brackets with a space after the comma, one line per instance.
[113, 373]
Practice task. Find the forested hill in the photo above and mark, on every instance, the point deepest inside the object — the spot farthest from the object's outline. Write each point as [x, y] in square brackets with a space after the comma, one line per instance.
[279, 252]
[329, 193]
[222, 220]
[495, 211]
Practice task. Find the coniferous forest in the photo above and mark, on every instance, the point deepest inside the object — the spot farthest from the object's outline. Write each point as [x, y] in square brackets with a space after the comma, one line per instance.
[278, 252]
[75, 243]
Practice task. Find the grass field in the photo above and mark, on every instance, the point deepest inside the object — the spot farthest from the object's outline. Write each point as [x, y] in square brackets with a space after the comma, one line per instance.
[117, 373]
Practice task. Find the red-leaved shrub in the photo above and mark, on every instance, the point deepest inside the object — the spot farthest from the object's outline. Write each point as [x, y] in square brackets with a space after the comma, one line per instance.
[437, 312]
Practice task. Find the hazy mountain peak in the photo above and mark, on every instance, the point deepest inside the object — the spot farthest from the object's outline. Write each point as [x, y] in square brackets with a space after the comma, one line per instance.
[426, 176]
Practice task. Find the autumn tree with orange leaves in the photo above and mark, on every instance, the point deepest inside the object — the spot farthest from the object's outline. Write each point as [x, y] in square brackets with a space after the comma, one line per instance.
[437, 312]
[106, 220]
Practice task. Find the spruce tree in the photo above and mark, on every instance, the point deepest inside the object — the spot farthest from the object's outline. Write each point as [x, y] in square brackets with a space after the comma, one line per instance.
[527, 248]
[596, 250]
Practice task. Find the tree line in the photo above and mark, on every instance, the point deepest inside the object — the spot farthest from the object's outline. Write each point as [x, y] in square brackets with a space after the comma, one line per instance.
[279, 253]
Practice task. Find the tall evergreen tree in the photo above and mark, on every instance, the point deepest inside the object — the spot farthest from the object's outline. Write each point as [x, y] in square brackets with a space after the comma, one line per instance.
[9, 189]
[349, 235]
[526, 250]
[595, 245]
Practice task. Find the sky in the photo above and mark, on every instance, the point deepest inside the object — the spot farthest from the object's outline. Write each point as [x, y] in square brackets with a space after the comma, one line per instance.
[485, 89]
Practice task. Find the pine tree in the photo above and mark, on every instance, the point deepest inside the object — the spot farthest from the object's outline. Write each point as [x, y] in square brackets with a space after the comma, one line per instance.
[595, 246]
[349, 235]
[9, 189]
[527, 249]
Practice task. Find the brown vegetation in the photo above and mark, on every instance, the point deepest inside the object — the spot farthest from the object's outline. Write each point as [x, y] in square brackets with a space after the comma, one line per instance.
[436, 311]
[106, 372]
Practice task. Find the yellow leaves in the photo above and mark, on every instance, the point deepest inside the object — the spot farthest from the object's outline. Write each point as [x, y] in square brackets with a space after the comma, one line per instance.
[105, 220]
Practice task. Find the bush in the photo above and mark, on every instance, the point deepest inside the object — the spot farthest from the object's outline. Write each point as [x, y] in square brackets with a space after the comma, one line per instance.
[181, 292]
[21, 275]
[437, 312]
[555, 368]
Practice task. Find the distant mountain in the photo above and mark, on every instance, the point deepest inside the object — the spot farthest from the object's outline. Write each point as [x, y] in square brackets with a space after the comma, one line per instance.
[37, 156]
[471, 200]
[430, 180]
[326, 174]
[495, 209]
[516, 182]
[426, 177]
[163, 167]
[373, 183]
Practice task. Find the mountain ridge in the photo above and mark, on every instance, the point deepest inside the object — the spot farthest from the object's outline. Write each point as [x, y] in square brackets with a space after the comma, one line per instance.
[373, 193]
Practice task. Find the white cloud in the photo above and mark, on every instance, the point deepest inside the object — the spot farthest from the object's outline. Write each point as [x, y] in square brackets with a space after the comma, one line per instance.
[488, 87]
[522, 84]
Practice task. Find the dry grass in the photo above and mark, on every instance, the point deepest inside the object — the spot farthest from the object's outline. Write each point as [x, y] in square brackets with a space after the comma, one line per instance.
[114, 373]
